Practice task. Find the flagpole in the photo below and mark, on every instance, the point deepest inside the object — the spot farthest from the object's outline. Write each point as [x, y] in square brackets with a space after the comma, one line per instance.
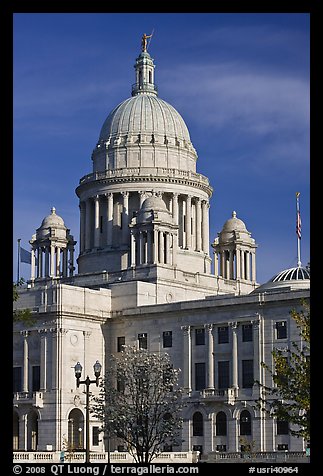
[298, 230]
[18, 266]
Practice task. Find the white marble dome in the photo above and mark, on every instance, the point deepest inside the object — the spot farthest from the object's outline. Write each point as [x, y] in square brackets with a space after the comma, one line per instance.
[145, 114]
[52, 221]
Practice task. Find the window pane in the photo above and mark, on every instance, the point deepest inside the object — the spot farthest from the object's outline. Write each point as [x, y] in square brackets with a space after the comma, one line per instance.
[142, 340]
[247, 333]
[281, 330]
[17, 382]
[35, 378]
[199, 336]
[282, 427]
[120, 343]
[199, 376]
[223, 374]
[167, 339]
[221, 424]
[197, 424]
[247, 373]
[95, 436]
[223, 335]
[245, 423]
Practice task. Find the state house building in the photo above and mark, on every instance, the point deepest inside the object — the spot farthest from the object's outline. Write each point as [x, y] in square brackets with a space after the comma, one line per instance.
[144, 278]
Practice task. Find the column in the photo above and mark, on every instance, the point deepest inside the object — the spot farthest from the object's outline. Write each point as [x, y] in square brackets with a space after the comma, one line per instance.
[256, 355]
[88, 224]
[188, 222]
[161, 246]
[155, 254]
[52, 260]
[25, 385]
[109, 218]
[55, 355]
[242, 265]
[58, 259]
[133, 250]
[198, 225]
[187, 358]
[210, 359]
[33, 261]
[43, 359]
[253, 266]
[238, 263]
[234, 326]
[175, 207]
[167, 248]
[222, 268]
[175, 244]
[141, 248]
[96, 221]
[248, 265]
[216, 264]
[125, 217]
[205, 227]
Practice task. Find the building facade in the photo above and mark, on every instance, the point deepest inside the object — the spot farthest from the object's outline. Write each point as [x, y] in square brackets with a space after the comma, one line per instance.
[144, 278]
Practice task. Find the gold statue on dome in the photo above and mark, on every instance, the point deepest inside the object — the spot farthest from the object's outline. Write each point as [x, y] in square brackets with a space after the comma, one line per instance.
[144, 41]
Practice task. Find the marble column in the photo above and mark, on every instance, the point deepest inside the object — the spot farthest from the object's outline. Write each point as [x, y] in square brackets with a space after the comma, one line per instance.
[253, 266]
[243, 275]
[149, 247]
[210, 356]
[155, 254]
[198, 225]
[167, 248]
[52, 261]
[109, 218]
[188, 243]
[43, 359]
[33, 261]
[187, 358]
[256, 355]
[205, 226]
[234, 326]
[47, 254]
[125, 217]
[25, 385]
[133, 250]
[96, 221]
[248, 265]
[175, 208]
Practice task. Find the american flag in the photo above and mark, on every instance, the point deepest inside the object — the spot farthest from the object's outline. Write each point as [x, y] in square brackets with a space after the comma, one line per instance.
[298, 218]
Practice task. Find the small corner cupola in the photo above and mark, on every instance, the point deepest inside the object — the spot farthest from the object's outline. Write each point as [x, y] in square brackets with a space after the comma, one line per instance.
[144, 71]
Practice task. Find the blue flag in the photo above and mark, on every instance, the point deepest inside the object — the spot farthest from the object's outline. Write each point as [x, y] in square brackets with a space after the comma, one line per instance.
[25, 256]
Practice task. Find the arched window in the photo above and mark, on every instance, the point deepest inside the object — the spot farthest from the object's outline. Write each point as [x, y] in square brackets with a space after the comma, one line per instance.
[245, 423]
[32, 431]
[197, 424]
[221, 424]
[15, 431]
[76, 430]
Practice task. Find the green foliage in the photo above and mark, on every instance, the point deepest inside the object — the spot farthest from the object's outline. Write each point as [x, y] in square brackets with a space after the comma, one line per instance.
[140, 402]
[21, 315]
[289, 398]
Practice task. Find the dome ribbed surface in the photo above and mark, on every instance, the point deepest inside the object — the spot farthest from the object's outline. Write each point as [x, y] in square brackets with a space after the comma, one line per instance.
[298, 274]
[144, 113]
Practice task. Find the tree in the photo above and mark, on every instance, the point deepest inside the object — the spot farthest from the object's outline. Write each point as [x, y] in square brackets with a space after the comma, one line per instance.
[140, 402]
[289, 399]
[21, 315]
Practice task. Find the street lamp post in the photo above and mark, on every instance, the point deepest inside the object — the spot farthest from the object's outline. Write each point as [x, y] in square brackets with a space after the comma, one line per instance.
[78, 372]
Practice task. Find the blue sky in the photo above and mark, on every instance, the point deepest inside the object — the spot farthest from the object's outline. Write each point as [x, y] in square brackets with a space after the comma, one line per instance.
[239, 80]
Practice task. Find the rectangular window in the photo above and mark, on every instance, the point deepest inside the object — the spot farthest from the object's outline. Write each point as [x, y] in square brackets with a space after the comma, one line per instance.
[247, 374]
[101, 224]
[223, 335]
[282, 427]
[247, 333]
[35, 378]
[95, 436]
[199, 376]
[221, 447]
[223, 374]
[121, 341]
[167, 339]
[281, 330]
[142, 340]
[17, 380]
[199, 336]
